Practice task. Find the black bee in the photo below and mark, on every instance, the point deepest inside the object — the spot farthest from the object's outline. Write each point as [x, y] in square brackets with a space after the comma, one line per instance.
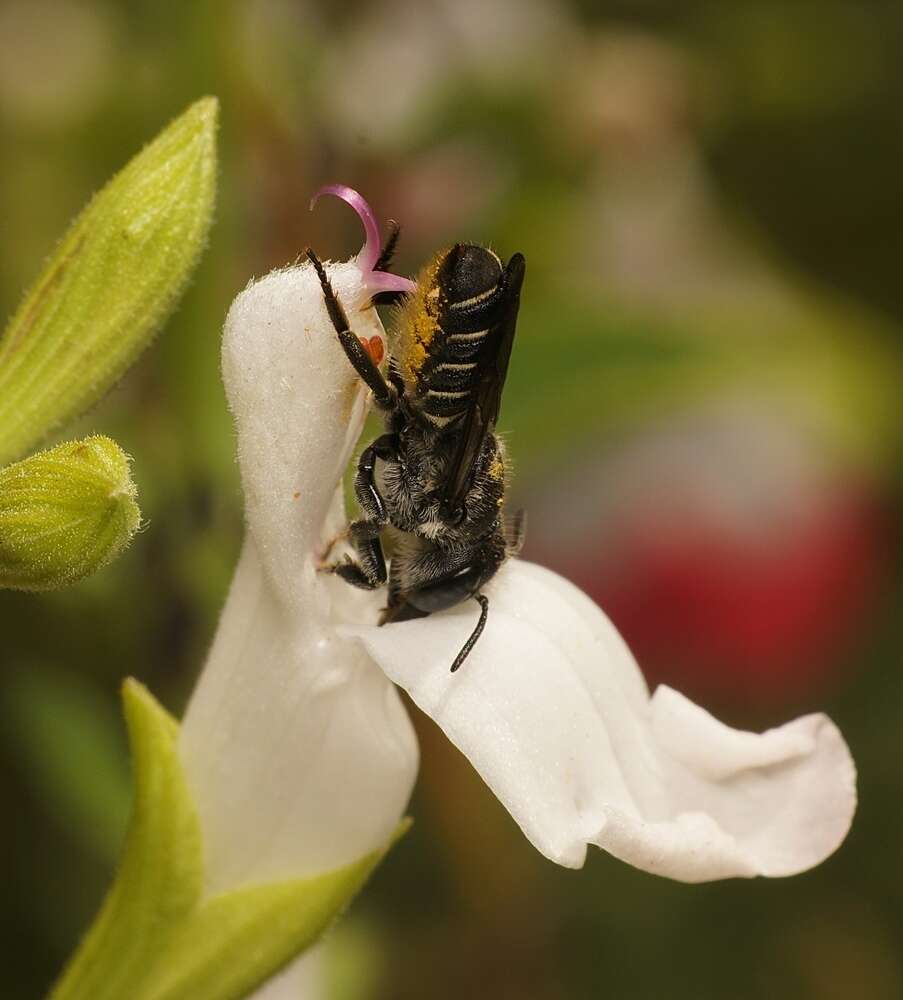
[435, 481]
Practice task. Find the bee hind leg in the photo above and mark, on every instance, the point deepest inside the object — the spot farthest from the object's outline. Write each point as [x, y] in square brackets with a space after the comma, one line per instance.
[515, 533]
[385, 396]
[369, 571]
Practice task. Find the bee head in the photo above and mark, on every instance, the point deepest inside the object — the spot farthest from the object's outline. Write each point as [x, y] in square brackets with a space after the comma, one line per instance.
[468, 275]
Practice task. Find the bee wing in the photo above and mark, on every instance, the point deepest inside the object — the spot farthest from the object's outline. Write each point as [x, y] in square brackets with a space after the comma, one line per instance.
[483, 413]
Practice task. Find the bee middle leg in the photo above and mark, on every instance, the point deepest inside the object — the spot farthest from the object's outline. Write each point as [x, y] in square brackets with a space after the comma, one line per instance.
[369, 571]
[365, 488]
[385, 396]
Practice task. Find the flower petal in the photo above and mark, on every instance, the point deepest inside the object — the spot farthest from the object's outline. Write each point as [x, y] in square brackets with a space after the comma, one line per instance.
[299, 408]
[299, 754]
[298, 751]
[553, 712]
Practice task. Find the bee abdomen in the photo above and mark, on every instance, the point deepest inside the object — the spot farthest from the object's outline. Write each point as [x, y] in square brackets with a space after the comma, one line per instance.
[462, 347]
[452, 377]
[445, 402]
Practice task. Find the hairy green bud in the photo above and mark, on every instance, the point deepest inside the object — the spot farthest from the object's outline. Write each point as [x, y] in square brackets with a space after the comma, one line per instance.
[110, 284]
[64, 513]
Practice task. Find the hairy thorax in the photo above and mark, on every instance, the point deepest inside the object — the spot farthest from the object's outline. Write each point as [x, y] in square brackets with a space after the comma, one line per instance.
[409, 486]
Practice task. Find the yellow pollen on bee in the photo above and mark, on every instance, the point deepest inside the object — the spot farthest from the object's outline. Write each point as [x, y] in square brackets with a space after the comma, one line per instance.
[423, 329]
[419, 320]
[497, 468]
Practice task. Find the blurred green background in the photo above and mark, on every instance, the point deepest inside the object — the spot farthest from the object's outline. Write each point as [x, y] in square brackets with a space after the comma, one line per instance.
[702, 408]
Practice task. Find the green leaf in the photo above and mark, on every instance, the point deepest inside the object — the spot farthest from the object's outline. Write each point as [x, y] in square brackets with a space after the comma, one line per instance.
[64, 513]
[110, 283]
[157, 937]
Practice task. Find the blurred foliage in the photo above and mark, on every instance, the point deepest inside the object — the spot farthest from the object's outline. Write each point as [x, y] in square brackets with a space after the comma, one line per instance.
[707, 198]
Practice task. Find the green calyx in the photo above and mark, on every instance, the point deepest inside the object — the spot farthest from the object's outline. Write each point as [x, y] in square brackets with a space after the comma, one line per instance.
[64, 513]
[110, 284]
[158, 936]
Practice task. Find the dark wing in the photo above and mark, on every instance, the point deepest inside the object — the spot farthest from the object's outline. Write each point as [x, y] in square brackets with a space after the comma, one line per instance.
[483, 411]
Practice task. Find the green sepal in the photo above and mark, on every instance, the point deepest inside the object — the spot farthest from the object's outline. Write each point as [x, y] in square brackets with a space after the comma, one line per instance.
[160, 877]
[110, 284]
[266, 925]
[157, 937]
[64, 513]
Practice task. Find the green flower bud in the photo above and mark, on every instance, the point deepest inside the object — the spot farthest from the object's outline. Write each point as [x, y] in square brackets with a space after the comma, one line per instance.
[111, 282]
[64, 513]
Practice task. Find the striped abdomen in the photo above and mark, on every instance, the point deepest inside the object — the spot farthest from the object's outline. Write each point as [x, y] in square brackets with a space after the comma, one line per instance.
[448, 380]
[450, 330]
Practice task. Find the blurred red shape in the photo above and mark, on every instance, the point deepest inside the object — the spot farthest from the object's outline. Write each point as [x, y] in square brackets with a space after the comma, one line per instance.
[720, 615]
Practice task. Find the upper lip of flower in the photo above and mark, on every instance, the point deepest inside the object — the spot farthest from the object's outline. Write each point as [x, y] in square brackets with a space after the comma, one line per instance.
[551, 708]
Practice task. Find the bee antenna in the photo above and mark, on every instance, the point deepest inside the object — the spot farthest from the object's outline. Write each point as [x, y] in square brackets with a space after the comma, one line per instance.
[385, 258]
[483, 601]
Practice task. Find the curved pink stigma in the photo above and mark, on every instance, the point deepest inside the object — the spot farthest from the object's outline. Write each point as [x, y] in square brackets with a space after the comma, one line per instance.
[369, 255]
[376, 281]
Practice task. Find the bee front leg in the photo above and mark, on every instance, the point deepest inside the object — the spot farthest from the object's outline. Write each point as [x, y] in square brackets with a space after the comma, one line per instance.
[385, 396]
[369, 571]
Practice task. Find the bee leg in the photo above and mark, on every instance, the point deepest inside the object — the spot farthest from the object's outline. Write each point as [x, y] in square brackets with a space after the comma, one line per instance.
[368, 496]
[388, 252]
[369, 572]
[515, 532]
[384, 395]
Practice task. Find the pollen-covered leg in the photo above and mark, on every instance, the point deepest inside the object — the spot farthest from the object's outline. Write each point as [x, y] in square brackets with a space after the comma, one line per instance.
[384, 395]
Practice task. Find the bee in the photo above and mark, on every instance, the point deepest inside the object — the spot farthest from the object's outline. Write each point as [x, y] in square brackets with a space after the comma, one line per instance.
[434, 482]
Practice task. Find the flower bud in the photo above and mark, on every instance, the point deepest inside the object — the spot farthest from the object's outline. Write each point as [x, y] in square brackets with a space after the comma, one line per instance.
[64, 513]
[110, 283]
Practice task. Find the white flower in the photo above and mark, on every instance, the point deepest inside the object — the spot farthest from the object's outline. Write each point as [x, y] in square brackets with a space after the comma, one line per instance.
[299, 753]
